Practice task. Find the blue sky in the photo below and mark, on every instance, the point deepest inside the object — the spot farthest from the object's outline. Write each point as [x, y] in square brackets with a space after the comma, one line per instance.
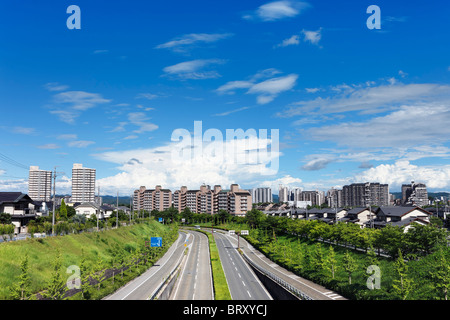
[351, 104]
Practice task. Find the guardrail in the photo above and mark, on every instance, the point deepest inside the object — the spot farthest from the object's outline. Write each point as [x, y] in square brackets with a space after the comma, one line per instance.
[295, 291]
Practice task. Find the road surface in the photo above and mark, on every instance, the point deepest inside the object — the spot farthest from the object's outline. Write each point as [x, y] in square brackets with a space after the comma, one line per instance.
[195, 279]
[144, 286]
[242, 282]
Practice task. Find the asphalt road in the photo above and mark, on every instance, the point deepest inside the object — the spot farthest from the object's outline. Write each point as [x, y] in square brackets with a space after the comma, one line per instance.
[242, 282]
[195, 280]
[142, 287]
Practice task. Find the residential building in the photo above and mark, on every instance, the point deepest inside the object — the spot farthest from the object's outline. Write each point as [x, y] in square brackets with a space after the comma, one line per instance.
[365, 194]
[152, 199]
[39, 184]
[399, 216]
[359, 215]
[261, 195]
[283, 194]
[21, 208]
[334, 198]
[206, 200]
[83, 184]
[415, 194]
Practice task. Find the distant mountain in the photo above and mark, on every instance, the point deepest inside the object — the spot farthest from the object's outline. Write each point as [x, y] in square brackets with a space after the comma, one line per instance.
[113, 200]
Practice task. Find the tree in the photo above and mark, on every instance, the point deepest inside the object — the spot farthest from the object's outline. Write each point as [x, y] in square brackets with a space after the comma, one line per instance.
[402, 285]
[5, 218]
[84, 276]
[317, 258]
[441, 273]
[63, 210]
[56, 286]
[349, 265]
[99, 272]
[21, 290]
[331, 262]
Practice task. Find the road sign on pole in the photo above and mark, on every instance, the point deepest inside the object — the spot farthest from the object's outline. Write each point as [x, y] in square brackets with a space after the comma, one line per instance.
[155, 241]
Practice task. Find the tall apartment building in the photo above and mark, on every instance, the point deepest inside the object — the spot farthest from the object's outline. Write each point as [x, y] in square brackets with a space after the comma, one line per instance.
[334, 198]
[39, 184]
[261, 195]
[415, 194]
[283, 194]
[83, 183]
[206, 200]
[152, 199]
[365, 194]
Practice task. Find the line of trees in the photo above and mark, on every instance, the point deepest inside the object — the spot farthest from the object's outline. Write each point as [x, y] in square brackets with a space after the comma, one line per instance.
[420, 240]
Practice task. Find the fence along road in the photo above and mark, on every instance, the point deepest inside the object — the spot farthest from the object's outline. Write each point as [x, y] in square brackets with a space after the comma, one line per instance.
[145, 286]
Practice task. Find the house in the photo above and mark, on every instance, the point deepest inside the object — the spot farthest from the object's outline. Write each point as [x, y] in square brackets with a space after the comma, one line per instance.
[332, 215]
[358, 215]
[21, 208]
[88, 209]
[399, 216]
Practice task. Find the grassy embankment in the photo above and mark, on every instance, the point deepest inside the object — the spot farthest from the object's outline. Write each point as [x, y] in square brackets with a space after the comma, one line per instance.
[105, 246]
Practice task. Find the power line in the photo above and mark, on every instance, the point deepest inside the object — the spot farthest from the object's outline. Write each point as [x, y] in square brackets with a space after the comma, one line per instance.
[13, 162]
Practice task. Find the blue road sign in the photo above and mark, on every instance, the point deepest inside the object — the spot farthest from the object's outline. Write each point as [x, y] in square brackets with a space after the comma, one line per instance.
[160, 220]
[155, 241]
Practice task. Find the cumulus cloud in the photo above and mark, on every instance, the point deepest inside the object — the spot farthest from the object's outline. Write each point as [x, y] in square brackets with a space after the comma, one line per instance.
[435, 177]
[185, 162]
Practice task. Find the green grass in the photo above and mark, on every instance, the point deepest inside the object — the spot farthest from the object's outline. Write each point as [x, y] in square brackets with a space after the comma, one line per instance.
[221, 290]
[42, 252]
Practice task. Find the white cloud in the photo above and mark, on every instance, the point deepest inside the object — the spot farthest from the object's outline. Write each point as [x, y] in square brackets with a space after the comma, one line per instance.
[277, 10]
[49, 146]
[69, 105]
[139, 119]
[317, 164]
[266, 90]
[55, 86]
[312, 36]
[366, 97]
[399, 129]
[80, 143]
[194, 69]
[23, 130]
[183, 43]
[293, 40]
[285, 181]
[162, 165]
[435, 177]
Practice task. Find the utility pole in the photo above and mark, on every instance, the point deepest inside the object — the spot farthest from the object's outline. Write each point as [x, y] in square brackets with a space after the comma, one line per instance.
[54, 199]
[117, 210]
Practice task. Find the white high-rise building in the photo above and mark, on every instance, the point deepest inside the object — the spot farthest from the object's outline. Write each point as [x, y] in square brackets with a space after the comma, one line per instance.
[83, 184]
[39, 184]
[261, 195]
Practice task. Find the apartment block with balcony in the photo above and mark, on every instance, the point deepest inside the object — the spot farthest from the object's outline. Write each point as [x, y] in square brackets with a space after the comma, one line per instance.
[152, 199]
[39, 184]
[83, 184]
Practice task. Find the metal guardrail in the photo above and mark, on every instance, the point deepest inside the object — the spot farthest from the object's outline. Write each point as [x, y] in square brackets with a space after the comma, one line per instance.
[295, 291]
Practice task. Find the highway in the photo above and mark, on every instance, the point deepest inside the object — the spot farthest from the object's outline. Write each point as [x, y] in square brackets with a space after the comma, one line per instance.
[195, 280]
[144, 286]
[242, 282]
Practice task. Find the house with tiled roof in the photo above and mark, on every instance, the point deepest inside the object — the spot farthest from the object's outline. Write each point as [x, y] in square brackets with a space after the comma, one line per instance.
[399, 216]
